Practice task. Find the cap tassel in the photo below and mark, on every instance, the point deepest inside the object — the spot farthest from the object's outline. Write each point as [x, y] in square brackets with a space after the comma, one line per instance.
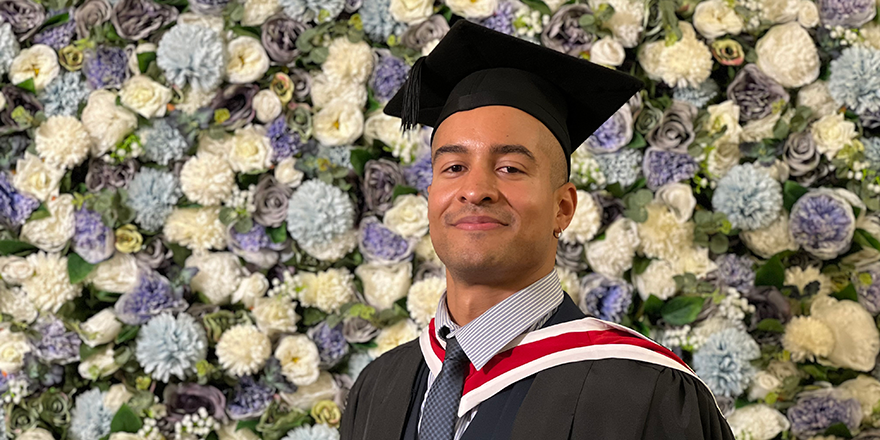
[410, 110]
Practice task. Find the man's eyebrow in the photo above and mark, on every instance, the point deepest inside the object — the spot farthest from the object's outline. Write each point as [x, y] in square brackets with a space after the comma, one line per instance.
[498, 150]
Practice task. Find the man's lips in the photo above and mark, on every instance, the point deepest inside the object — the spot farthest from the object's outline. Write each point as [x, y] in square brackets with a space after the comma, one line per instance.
[478, 223]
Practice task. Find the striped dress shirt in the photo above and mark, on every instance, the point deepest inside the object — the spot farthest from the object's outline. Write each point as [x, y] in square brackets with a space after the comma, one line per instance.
[484, 337]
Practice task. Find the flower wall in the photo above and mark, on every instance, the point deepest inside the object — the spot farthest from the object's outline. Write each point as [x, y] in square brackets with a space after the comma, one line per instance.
[208, 227]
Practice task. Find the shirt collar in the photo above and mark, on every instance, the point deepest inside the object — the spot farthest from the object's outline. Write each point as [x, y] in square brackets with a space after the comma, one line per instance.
[482, 338]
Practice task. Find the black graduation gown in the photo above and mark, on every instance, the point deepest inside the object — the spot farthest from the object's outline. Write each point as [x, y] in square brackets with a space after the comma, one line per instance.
[613, 399]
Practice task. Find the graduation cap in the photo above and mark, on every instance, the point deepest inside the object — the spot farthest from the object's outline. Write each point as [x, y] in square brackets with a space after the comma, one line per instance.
[474, 66]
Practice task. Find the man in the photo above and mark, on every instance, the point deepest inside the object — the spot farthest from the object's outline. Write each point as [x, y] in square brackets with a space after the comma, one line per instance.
[508, 354]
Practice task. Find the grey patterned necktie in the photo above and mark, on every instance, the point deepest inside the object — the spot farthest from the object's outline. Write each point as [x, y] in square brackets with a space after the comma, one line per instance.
[441, 407]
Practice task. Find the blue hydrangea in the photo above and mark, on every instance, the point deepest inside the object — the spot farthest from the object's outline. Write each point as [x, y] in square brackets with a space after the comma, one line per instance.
[816, 411]
[58, 36]
[9, 47]
[389, 74]
[331, 343]
[152, 295]
[92, 239]
[313, 432]
[698, 96]
[855, 79]
[318, 212]
[15, 207]
[735, 271]
[152, 194]
[723, 361]
[169, 346]
[662, 167]
[64, 94]
[249, 399]
[56, 345]
[378, 22]
[285, 142]
[253, 240]
[191, 54]
[502, 19]
[823, 223]
[105, 66]
[420, 173]
[356, 363]
[623, 167]
[867, 283]
[749, 197]
[90, 419]
[605, 298]
[162, 142]
[380, 244]
[872, 151]
[308, 10]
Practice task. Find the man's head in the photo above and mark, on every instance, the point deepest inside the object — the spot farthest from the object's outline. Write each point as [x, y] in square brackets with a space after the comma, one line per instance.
[503, 164]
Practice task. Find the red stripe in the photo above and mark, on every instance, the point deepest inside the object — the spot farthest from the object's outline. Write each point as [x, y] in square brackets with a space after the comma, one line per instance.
[526, 353]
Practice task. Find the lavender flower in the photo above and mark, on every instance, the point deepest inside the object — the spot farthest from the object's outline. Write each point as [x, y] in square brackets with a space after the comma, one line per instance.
[285, 142]
[735, 271]
[152, 194]
[152, 296]
[613, 134]
[867, 283]
[855, 79]
[63, 95]
[270, 199]
[378, 22]
[755, 93]
[846, 13]
[815, 411]
[15, 208]
[59, 36]
[749, 197]
[380, 178]
[92, 240]
[279, 38]
[191, 54]
[105, 66]
[420, 34]
[25, 16]
[420, 173]
[723, 362]
[331, 343]
[605, 298]
[822, 221]
[389, 74]
[623, 166]
[502, 19]
[253, 240]
[55, 344]
[187, 398]
[238, 100]
[662, 167]
[564, 33]
[90, 14]
[379, 244]
[249, 399]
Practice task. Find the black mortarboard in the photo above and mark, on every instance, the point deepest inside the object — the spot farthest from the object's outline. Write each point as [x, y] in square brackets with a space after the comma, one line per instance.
[474, 66]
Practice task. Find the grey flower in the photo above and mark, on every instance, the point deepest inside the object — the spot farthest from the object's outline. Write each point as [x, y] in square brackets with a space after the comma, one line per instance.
[25, 16]
[380, 178]
[871, 434]
[279, 38]
[418, 35]
[271, 198]
[800, 153]
[137, 19]
[564, 34]
[427, 269]
[358, 330]
[769, 304]
[187, 398]
[154, 253]
[647, 119]
[676, 130]
[102, 175]
[571, 255]
[755, 93]
[238, 99]
[612, 207]
[17, 97]
[302, 83]
[90, 14]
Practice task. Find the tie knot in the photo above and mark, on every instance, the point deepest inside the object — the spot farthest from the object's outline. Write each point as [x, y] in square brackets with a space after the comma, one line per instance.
[454, 353]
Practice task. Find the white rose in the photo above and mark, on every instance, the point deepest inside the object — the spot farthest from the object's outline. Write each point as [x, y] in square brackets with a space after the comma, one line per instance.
[390, 337]
[714, 18]
[230, 431]
[14, 302]
[725, 114]
[679, 198]
[101, 328]
[338, 123]
[267, 105]
[693, 260]
[758, 129]
[387, 129]
[817, 98]
[275, 314]
[472, 8]
[408, 217]
[13, 347]
[214, 23]
[256, 12]
[586, 220]
[866, 390]
[348, 62]
[145, 96]
[808, 14]
[831, 133]
[614, 255]
[856, 338]
[37, 178]
[119, 274]
[411, 11]
[36, 434]
[607, 51]
[252, 287]
[247, 61]
[384, 283]
[133, 65]
[199, 229]
[326, 90]
[770, 240]
[757, 422]
[100, 364]
[686, 63]
[626, 22]
[725, 156]
[788, 55]
[52, 233]
[305, 397]
[425, 251]
[14, 269]
[763, 384]
[299, 359]
[63, 141]
[218, 277]
[779, 11]
[656, 280]
[39, 62]
[116, 396]
[250, 150]
[287, 174]
[107, 123]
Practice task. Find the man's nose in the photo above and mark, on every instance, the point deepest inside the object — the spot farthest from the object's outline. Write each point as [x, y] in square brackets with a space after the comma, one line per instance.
[479, 185]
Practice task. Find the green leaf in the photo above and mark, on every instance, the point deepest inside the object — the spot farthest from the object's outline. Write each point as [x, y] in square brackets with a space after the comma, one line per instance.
[791, 193]
[359, 159]
[718, 244]
[771, 325]
[772, 273]
[248, 424]
[640, 264]
[179, 253]
[227, 215]
[653, 306]
[77, 268]
[319, 55]
[312, 316]
[682, 310]
[780, 130]
[638, 141]
[40, 213]
[866, 240]
[279, 234]
[400, 190]
[86, 352]
[125, 420]
[55, 20]
[127, 333]
[815, 371]
[587, 20]
[838, 429]
[538, 5]
[144, 60]
[246, 31]
[848, 292]
[28, 85]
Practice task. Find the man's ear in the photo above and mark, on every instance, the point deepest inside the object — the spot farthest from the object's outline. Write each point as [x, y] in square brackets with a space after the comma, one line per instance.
[566, 204]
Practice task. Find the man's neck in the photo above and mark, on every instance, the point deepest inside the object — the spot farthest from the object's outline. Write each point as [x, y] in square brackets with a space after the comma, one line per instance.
[467, 301]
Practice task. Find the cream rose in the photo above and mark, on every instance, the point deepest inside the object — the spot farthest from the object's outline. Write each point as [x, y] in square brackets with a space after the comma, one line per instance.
[656, 280]
[770, 240]
[423, 298]
[119, 274]
[275, 315]
[299, 359]
[679, 198]
[13, 347]
[817, 98]
[339, 123]
[117, 396]
[779, 11]
[866, 390]
[63, 141]
[384, 283]
[267, 105]
[287, 174]
[145, 96]
[101, 328]
[788, 55]
[36, 178]
[250, 150]
[607, 51]
[247, 61]
[808, 14]
[411, 11]
[387, 129]
[250, 288]
[348, 62]
[218, 276]
[305, 397]
[14, 302]
[763, 384]
[98, 365]
[52, 233]
[39, 62]
[408, 216]
[107, 123]
[831, 133]
[14, 270]
[256, 12]
[326, 90]
[214, 23]
[36, 434]
[757, 422]
[856, 339]
[472, 9]
[725, 114]
[715, 18]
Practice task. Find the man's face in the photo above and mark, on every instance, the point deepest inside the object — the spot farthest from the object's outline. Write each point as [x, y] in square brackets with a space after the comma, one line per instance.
[492, 207]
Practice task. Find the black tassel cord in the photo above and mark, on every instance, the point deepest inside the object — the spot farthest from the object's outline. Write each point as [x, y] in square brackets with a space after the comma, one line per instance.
[412, 87]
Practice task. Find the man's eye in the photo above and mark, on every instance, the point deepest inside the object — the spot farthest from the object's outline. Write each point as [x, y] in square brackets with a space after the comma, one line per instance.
[457, 168]
[512, 169]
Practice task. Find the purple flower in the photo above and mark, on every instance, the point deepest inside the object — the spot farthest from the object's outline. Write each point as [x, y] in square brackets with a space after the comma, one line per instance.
[58, 36]
[379, 244]
[380, 178]
[238, 99]
[331, 343]
[249, 399]
[823, 223]
[56, 344]
[92, 240]
[419, 173]
[613, 134]
[867, 283]
[846, 13]
[815, 411]
[187, 398]
[564, 33]
[279, 36]
[138, 19]
[25, 16]
[285, 142]
[152, 296]
[15, 208]
[735, 271]
[662, 167]
[253, 240]
[755, 93]
[389, 75]
[105, 67]
[501, 20]
[605, 298]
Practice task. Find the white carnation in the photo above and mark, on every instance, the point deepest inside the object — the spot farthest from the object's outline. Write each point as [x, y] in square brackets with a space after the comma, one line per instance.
[586, 220]
[243, 350]
[686, 63]
[326, 90]
[472, 9]
[107, 123]
[626, 24]
[218, 276]
[299, 359]
[37, 178]
[770, 240]
[348, 62]
[119, 274]
[275, 315]
[408, 217]
[250, 150]
[831, 133]
[198, 229]
[145, 96]
[693, 260]
[411, 11]
[13, 347]
[39, 62]
[14, 302]
[338, 123]
[52, 233]
[607, 51]
[250, 288]
[49, 287]
[246, 60]
[423, 298]
[390, 337]
[715, 18]
[305, 397]
[267, 105]
[662, 235]
[101, 328]
[656, 280]
[63, 141]
[335, 248]
[207, 179]
[788, 55]
[256, 12]
[757, 422]
[384, 283]
[328, 290]
[570, 283]
[614, 255]
[14, 270]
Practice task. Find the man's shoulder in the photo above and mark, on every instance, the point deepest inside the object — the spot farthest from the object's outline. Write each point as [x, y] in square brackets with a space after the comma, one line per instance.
[402, 356]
